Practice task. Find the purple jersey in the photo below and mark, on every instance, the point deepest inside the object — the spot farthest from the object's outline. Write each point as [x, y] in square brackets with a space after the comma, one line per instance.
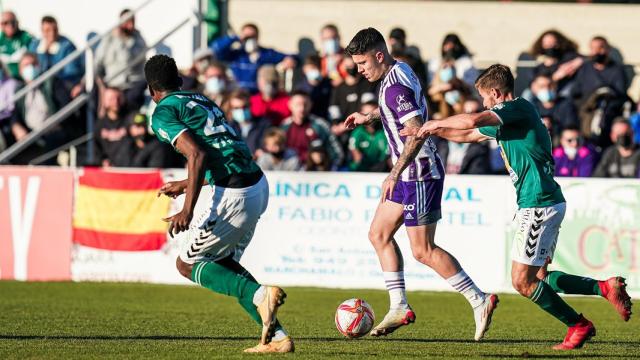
[400, 99]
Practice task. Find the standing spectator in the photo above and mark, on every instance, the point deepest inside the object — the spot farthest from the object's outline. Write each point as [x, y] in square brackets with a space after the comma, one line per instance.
[52, 48]
[410, 54]
[572, 157]
[216, 82]
[368, 145]
[557, 56]
[250, 128]
[14, 42]
[115, 53]
[302, 128]
[275, 154]
[332, 54]
[270, 102]
[113, 143]
[559, 111]
[148, 151]
[453, 49]
[245, 56]
[621, 160]
[351, 94]
[317, 85]
[8, 128]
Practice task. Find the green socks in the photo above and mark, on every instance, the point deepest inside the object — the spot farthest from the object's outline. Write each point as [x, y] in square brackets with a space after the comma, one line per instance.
[572, 284]
[223, 280]
[551, 302]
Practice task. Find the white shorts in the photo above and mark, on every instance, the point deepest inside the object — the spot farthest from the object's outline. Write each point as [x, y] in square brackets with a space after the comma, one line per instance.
[537, 234]
[227, 224]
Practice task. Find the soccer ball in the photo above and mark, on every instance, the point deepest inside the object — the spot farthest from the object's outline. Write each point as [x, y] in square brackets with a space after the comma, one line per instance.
[354, 318]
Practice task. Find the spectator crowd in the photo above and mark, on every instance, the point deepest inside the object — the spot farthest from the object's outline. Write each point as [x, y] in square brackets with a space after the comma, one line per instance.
[290, 108]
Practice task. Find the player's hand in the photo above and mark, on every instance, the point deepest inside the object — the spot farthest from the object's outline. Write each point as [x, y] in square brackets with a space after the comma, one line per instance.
[173, 189]
[179, 222]
[356, 119]
[427, 129]
[388, 186]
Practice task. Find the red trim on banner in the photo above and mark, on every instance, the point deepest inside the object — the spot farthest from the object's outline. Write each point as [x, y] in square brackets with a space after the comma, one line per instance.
[98, 178]
[119, 242]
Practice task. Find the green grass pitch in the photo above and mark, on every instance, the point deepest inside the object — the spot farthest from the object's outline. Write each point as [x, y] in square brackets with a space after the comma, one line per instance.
[116, 321]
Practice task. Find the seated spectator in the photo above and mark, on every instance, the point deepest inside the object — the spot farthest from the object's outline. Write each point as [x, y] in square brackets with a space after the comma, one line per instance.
[275, 155]
[217, 84]
[116, 52]
[113, 143]
[332, 55]
[573, 158]
[270, 102]
[245, 56]
[349, 96]
[317, 158]
[560, 111]
[14, 43]
[40, 103]
[409, 54]
[302, 128]
[447, 92]
[465, 158]
[8, 128]
[148, 151]
[453, 50]
[600, 89]
[317, 85]
[53, 48]
[368, 145]
[557, 56]
[622, 160]
[238, 114]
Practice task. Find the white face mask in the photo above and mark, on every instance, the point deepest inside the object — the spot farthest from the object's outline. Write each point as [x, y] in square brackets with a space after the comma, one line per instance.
[313, 75]
[251, 45]
[570, 151]
[330, 46]
[29, 73]
[214, 85]
[452, 97]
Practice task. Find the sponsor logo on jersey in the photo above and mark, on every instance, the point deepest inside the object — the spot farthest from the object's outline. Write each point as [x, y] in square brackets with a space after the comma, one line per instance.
[403, 104]
[164, 134]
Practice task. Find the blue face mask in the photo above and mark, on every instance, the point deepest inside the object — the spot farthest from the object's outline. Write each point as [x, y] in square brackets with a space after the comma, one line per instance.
[313, 75]
[241, 115]
[452, 97]
[214, 85]
[330, 46]
[546, 95]
[446, 74]
[29, 73]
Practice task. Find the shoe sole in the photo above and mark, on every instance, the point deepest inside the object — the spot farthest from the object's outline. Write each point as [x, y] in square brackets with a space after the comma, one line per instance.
[620, 288]
[410, 318]
[275, 301]
[494, 305]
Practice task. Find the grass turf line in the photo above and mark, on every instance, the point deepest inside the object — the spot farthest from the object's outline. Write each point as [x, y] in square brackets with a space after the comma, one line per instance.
[114, 320]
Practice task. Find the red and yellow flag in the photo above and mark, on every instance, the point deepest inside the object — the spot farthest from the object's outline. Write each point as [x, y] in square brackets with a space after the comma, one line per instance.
[120, 211]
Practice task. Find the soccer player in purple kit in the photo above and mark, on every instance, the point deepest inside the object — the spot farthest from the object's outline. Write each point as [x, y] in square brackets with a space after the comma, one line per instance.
[412, 192]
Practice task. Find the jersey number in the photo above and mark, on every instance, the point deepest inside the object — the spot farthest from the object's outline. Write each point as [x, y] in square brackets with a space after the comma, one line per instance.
[214, 125]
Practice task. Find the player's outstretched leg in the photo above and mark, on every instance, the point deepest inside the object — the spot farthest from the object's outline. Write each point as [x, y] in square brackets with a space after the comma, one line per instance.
[527, 284]
[425, 250]
[612, 289]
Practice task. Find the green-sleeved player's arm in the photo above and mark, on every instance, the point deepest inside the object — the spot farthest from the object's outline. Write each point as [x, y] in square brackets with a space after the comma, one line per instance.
[463, 136]
[166, 126]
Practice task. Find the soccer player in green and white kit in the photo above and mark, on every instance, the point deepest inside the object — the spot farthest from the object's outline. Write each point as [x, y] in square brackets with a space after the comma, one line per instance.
[525, 146]
[217, 237]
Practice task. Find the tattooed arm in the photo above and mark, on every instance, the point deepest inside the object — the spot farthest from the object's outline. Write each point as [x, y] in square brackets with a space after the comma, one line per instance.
[357, 118]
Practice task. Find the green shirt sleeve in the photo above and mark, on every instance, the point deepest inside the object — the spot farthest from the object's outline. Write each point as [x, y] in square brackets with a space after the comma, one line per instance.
[509, 112]
[491, 131]
[166, 124]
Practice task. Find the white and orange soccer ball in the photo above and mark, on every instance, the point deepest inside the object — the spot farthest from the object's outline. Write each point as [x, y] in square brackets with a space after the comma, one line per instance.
[354, 318]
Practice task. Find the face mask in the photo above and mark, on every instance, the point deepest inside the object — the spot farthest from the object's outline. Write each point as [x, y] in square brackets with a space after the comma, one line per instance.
[452, 97]
[546, 95]
[279, 154]
[446, 74]
[552, 52]
[570, 151]
[625, 141]
[600, 58]
[214, 85]
[353, 71]
[241, 115]
[29, 73]
[251, 45]
[313, 75]
[330, 46]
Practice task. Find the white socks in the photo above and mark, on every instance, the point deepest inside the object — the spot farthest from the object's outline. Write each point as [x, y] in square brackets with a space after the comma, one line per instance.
[463, 284]
[258, 297]
[395, 286]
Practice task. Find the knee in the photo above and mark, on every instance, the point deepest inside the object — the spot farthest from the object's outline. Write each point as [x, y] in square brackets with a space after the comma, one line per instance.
[377, 238]
[183, 268]
[423, 256]
[522, 285]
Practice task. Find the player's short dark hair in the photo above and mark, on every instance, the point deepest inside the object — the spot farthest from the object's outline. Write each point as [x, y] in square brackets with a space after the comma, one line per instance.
[162, 74]
[365, 40]
[496, 76]
[49, 20]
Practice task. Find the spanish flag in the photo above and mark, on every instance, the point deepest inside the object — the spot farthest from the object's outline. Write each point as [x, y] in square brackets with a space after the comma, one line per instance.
[120, 211]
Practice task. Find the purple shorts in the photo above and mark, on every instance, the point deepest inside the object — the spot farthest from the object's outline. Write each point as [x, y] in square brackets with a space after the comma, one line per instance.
[421, 201]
